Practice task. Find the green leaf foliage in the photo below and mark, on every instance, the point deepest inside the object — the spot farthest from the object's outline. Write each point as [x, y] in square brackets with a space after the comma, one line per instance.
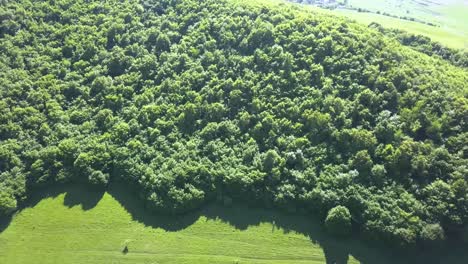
[338, 221]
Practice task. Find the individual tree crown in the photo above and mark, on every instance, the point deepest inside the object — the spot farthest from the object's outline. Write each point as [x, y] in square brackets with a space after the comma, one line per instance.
[338, 221]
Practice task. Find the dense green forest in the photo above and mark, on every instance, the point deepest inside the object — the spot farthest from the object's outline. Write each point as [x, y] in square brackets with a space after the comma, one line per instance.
[194, 101]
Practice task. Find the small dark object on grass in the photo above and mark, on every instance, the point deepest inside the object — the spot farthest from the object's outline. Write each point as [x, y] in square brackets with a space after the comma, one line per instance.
[125, 250]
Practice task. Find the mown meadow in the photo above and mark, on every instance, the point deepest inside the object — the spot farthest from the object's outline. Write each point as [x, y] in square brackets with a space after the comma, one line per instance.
[83, 226]
[73, 224]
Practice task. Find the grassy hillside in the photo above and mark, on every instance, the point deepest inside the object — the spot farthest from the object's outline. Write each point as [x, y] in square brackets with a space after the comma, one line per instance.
[62, 230]
[443, 13]
[450, 18]
[450, 38]
[443, 21]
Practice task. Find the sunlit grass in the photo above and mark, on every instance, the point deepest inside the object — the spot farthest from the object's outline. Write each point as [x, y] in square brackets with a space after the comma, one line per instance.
[59, 230]
[438, 34]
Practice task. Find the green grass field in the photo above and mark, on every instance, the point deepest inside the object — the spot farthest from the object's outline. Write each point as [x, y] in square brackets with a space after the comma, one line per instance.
[450, 16]
[75, 225]
[62, 229]
[445, 36]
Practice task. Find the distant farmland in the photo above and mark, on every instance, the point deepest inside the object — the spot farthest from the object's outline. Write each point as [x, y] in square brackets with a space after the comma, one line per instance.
[444, 21]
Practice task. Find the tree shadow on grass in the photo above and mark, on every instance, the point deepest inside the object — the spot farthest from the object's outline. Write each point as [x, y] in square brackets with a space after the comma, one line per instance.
[241, 217]
[83, 196]
[129, 199]
[4, 222]
[337, 251]
[75, 195]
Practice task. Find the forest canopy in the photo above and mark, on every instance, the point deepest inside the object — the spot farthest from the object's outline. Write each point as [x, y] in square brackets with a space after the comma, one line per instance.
[194, 101]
